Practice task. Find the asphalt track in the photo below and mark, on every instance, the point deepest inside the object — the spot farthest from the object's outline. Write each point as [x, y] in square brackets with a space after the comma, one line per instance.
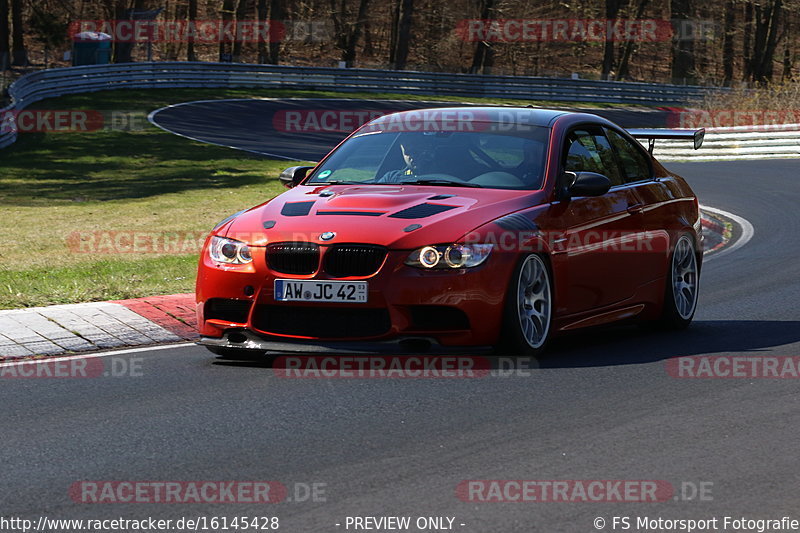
[601, 406]
[259, 125]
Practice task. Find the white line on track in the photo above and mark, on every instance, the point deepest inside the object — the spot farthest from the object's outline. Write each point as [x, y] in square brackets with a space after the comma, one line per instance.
[94, 355]
[746, 229]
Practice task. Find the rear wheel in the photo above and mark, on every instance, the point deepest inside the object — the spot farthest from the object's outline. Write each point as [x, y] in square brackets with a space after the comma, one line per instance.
[682, 286]
[529, 308]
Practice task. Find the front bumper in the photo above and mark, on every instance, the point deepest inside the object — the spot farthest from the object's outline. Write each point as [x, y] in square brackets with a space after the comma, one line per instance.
[396, 291]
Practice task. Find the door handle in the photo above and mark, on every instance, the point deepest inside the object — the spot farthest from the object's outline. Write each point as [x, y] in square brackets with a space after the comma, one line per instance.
[635, 209]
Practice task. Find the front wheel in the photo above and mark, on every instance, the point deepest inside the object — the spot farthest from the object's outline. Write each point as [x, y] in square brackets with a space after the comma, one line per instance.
[682, 286]
[529, 308]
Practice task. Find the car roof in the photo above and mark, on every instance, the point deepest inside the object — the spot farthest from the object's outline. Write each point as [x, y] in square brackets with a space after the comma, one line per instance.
[490, 114]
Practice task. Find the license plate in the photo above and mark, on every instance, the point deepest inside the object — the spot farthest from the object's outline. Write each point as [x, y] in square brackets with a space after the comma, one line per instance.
[291, 290]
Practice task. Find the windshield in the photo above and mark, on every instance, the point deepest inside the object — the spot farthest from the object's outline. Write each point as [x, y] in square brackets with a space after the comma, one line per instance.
[490, 159]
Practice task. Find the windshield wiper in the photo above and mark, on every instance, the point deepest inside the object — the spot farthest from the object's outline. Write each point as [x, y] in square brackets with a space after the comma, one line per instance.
[446, 183]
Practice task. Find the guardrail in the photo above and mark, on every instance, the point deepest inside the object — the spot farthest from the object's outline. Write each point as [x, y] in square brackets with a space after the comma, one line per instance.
[59, 82]
[736, 143]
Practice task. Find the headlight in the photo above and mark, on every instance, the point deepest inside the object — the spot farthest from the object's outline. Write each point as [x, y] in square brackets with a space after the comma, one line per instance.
[224, 250]
[446, 256]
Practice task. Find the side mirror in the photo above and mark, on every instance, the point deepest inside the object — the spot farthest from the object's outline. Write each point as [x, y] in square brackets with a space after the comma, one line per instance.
[292, 176]
[586, 183]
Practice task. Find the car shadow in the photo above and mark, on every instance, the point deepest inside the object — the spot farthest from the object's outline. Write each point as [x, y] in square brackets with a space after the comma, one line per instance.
[626, 345]
[620, 345]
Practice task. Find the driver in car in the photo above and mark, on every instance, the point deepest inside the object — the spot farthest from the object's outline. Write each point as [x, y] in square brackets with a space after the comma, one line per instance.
[418, 158]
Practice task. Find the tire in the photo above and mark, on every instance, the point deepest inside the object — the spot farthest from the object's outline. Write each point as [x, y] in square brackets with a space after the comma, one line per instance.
[682, 285]
[239, 354]
[528, 312]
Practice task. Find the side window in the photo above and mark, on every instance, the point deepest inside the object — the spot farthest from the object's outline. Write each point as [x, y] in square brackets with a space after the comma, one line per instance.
[589, 150]
[635, 166]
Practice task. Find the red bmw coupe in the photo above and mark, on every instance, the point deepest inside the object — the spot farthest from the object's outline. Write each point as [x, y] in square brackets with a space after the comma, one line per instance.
[489, 226]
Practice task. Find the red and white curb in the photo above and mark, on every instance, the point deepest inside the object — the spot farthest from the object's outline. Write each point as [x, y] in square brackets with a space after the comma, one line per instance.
[85, 327]
[720, 223]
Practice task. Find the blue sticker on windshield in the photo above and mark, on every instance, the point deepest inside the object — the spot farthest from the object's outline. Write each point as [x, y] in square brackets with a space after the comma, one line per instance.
[324, 174]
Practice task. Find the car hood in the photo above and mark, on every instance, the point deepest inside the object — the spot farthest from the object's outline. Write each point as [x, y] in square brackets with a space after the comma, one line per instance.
[396, 216]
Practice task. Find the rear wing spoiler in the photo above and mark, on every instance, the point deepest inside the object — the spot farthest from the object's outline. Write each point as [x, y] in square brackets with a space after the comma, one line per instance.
[651, 134]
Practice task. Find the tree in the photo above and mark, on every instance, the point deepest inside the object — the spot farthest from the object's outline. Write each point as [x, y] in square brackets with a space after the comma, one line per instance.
[49, 28]
[261, 13]
[191, 55]
[683, 67]
[727, 43]
[123, 51]
[401, 33]
[224, 42]
[627, 50]
[277, 15]
[612, 11]
[483, 58]
[767, 22]
[4, 34]
[241, 14]
[348, 32]
[19, 55]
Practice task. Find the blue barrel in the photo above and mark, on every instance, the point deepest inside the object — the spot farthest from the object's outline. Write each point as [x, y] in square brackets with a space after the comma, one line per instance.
[91, 48]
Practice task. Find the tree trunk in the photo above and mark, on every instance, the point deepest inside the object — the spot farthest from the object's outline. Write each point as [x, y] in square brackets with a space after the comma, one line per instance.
[277, 16]
[241, 14]
[405, 10]
[4, 35]
[225, 43]
[612, 10]
[368, 49]
[747, 45]
[628, 48]
[787, 64]
[683, 67]
[123, 51]
[19, 56]
[727, 44]
[773, 22]
[262, 14]
[767, 21]
[483, 58]
[354, 33]
[191, 55]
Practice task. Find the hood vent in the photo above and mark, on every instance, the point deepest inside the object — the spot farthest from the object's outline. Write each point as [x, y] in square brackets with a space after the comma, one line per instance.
[296, 209]
[352, 213]
[422, 211]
